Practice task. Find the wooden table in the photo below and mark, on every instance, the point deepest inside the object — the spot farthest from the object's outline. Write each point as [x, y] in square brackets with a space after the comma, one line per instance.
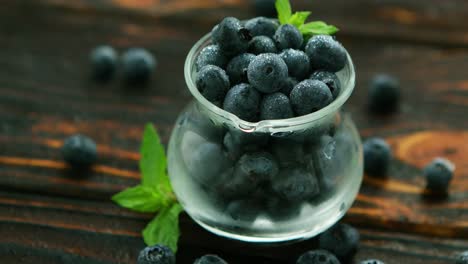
[49, 215]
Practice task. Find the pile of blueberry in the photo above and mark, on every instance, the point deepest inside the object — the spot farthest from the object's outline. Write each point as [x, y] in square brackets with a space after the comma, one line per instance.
[260, 70]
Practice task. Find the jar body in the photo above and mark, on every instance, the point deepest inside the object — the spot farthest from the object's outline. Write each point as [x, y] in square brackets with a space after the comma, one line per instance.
[318, 175]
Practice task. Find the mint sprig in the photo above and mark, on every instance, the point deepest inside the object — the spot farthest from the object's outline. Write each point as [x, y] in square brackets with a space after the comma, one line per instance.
[154, 193]
[298, 19]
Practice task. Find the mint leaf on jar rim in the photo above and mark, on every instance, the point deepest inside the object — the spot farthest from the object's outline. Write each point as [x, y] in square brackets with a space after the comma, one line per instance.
[139, 198]
[283, 7]
[164, 228]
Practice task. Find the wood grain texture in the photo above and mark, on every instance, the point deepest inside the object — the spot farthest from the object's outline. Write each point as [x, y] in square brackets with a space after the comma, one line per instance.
[46, 95]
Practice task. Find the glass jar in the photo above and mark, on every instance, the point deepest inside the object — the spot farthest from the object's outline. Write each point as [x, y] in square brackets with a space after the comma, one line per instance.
[269, 181]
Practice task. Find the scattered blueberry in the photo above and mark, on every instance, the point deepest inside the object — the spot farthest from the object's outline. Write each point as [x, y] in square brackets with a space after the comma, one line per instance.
[207, 161]
[266, 72]
[103, 62]
[462, 258]
[157, 254]
[231, 37]
[259, 166]
[341, 239]
[210, 259]
[261, 44]
[79, 151]
[138, 65]
[211, 55]
[261, 26]
[438, 175]
[288, 37]
[287, 85]
[330, 79]
[243, 101]
[309, 96]
[372, 261]
[213, 83]
[237, 68]
[377, 156]
[384, 94]
[317, 257]
[325, 53]
[243, 210]
[298, 63]
[265, 8]
[295, 184]
[275, 106]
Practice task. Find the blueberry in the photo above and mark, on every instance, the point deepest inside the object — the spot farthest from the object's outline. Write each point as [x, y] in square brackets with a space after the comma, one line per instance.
[261, 44]
[265, 8]
[438, 175]
[287, 152]
[317, 257]
[462, 258]
[372, 261]
[259, 166]
[79, 151]
[202, 125]
[243, 101]
[288, 37]
[157, 254]
[261, 26]
[295, 184]
[103, 63]
[298, 63]
[231, 37]
[341, 240]
[309, 96]
[236, 142]
[281, 210]
[211, 55]
[275, 106]
[384, 94]
[138, 64]
[266, 72]
[213, 83]
[377, 156]
[237, 68]
[210, 259]
[243, 210]
[207, 161]
[330, 79]
[287, 85]
[325, 53]
[325, 163]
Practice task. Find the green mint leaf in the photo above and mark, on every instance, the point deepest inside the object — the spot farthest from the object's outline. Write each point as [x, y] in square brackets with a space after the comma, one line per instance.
[153, 159]
[299, 18]
[283, 7]
[317, 28]
[164, 228]
[139, 198]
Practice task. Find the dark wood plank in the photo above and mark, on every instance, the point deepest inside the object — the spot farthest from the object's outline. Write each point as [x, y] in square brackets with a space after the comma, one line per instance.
[40, 229]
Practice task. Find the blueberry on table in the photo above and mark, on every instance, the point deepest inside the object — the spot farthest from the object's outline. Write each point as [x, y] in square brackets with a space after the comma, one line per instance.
[317, 257]
[211, 55]
[341, 240]
[231, 36]
[265, 8]
[237, 68]
[295, 184]
[103, 63]
[330, 79]
[325, 53]
[288, 37]
[261, 44]
[384, 94]
[372, 261]
[309, 96]
[298, 63]
[210, 259]
[266, 71]
[213, 83]
[462, 258]
[261, 26]
[157, 254]
[243, 101]
[79, 151]
[275, 106]
[377, 156]
[138, 65]
[438, 175]
[287, 85]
